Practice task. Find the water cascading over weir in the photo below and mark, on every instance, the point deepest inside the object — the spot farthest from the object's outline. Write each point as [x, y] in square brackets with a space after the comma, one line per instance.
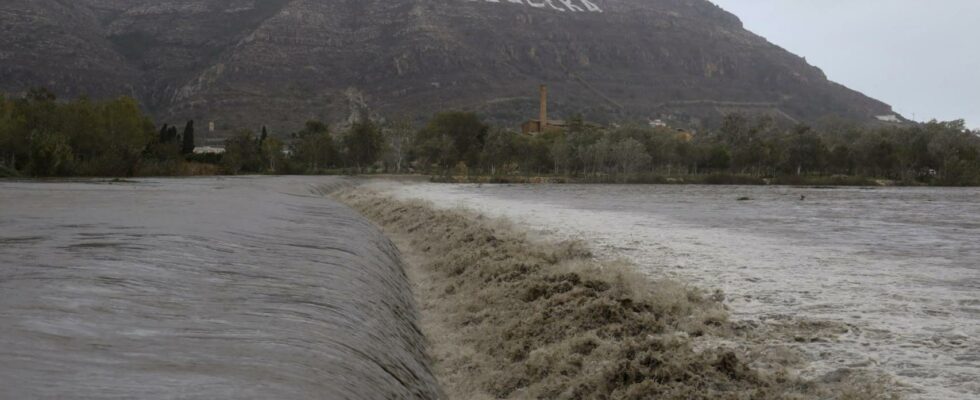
[241, 288]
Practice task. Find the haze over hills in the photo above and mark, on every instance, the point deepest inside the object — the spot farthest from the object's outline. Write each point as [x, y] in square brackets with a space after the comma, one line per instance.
[247, 63]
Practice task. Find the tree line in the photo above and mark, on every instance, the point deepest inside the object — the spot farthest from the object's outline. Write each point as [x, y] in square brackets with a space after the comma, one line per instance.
[312, 150]
[43, 137]
[40, 136]
[743, 150]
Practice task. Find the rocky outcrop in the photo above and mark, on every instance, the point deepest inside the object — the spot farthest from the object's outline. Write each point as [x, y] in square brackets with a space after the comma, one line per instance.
[62, 46]
[244, 63]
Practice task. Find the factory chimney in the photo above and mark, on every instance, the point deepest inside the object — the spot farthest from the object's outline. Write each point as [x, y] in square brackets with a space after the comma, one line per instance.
[544, 108]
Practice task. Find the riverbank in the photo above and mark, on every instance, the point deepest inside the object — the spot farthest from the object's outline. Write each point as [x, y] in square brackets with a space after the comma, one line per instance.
[707, 179]
[510, 316]
[206, 170]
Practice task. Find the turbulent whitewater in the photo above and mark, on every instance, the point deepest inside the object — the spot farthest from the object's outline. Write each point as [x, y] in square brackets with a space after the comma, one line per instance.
[896, 267]
[244, 288]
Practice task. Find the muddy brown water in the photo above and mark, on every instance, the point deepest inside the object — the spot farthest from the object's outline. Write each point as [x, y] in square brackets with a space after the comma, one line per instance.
[244, 288]
[900, 267]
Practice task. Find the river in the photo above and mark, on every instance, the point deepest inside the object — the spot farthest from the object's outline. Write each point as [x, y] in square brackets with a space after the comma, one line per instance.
[900, 266]
[233, 288]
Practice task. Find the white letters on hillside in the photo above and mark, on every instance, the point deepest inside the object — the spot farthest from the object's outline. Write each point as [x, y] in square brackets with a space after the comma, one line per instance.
[590, 6]
[559, 5]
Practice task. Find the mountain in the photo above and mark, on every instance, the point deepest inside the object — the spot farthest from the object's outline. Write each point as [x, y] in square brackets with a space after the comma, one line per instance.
[247, 63]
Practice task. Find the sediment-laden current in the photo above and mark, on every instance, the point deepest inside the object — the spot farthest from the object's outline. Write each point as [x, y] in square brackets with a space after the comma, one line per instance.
[243, 288]
[898, 267]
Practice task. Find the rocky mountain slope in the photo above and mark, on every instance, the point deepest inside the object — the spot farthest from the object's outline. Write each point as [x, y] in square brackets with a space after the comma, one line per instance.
[245, 63]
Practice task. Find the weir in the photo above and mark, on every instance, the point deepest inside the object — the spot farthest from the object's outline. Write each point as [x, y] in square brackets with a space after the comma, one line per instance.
[244, 288]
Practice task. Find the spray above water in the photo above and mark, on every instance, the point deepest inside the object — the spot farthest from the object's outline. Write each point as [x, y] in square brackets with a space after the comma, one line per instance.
[515, 318]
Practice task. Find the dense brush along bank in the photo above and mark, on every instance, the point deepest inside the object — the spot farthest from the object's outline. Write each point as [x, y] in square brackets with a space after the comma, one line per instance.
[509, 317]
[244, 288]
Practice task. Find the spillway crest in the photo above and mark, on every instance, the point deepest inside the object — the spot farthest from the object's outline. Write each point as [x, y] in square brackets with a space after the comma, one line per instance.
[244, 288]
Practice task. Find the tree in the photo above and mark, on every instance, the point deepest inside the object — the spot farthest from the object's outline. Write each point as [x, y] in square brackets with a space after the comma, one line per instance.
[735, 129]
[465, 131]
[40, 95]
[242, 153]
[164, 135]
[126, 133]
[79, 137]
[882, 157]
[913, 153]
[50, 154]
[717, 158]
[841, 160]
[168, 134]
[7, 150]
[807, 151]
[165, 148]
[434, 151]
[499, 151]
[956, 151]
[561, 153]
[576, 124]
[398, 141]
[534, 153]
[363, 143]
[314, 147]
[597, 156]
[272, 154]
[630, 157]
[187, 142]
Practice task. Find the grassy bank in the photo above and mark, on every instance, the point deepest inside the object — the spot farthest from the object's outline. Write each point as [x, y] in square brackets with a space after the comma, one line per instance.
[514, 318]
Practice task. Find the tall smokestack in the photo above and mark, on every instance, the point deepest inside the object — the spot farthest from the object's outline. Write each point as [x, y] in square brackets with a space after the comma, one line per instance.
[544, 107]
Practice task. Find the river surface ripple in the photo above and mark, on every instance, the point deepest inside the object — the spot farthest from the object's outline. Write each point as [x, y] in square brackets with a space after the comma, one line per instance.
[900, 266]
[237, 288]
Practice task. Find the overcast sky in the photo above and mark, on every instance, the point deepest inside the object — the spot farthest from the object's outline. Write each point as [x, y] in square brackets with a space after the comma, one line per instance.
[920, 56]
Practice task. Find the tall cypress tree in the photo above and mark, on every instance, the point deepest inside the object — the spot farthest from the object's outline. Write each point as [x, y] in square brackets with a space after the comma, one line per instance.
[163, 133]
[187, 146]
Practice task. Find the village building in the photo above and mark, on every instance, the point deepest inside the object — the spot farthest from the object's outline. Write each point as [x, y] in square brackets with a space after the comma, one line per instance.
[534, 127]
[209, 150]
[888, 118]
[542, 124]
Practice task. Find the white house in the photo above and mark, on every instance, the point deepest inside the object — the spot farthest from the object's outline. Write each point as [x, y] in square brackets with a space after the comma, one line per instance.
[209, 150]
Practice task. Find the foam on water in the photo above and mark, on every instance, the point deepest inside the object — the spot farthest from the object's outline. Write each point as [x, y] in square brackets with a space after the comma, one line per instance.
[244, 288]
[899, 267]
